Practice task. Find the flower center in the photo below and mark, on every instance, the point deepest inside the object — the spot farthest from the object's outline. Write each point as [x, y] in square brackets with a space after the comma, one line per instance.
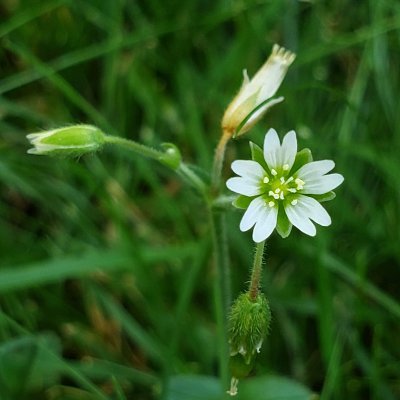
[278, 187]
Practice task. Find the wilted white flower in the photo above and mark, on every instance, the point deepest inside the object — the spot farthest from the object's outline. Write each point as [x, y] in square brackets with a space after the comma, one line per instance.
[256, 91]
[72, 140]
[281, 187]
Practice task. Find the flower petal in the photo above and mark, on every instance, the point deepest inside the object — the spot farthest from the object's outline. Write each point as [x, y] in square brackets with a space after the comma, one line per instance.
[252, 214]
[299, 219]
[249, 169]
[266, 223]
[315, 168]
[323, 184]
[289, 149]
[243, 186]
[272, 147]
[313, 210]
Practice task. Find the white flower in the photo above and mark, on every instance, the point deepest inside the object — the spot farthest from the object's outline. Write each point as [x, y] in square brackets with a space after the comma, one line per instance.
[256, 91]
[281, 187]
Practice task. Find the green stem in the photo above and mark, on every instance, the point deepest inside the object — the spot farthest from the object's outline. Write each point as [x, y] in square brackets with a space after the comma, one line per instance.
[134, 146]
[187, 174]
[182, 169]
[256, 271]
[221, 290]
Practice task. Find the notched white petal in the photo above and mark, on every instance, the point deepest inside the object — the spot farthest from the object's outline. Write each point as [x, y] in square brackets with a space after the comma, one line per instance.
[289, 149]
[272, 148]
[248, 168]
[299, 220]
[265, 224]
[243, 186]
[323, 184]
[313, 209]
[252, 214]
[315, 168]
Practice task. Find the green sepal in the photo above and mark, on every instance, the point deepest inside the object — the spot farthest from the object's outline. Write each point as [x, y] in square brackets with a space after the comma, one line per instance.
[246, 105]
[238, 367]
[302, 157]
[323, 197]
[283, 225]
[242, 202]
[257, 155]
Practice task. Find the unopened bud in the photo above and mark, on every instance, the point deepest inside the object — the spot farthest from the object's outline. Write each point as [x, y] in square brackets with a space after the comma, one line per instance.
[255, 95]
[69, 141]
[172, 156]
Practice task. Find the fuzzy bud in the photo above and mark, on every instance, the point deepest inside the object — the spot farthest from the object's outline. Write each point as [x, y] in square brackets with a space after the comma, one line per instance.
[249, 323]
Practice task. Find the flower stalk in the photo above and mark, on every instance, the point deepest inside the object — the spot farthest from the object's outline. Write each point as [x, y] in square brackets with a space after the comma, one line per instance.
[256, 271]
[219, 157]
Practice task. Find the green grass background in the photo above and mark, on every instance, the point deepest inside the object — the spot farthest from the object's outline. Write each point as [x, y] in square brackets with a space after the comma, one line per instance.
[106, 262]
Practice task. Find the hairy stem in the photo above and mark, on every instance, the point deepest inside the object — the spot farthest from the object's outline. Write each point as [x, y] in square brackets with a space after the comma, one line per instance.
[182, 170]
[256, 271]
[219, 160]
[136, 147]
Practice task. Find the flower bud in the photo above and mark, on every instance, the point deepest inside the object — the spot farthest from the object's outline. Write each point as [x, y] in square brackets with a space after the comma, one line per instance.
[74, 140]
[255, 95]
[249, 323]
[172, 156]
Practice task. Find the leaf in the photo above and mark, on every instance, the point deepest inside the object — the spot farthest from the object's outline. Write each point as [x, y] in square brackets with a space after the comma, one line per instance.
[273, 388]
[194, 387]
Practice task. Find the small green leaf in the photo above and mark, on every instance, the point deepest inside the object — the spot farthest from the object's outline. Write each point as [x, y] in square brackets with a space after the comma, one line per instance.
[283, 226]
[302, 157]
[242, 202]
[324, 197]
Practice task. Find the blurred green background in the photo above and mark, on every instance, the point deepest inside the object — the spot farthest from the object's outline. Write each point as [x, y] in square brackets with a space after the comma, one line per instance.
[106, 261]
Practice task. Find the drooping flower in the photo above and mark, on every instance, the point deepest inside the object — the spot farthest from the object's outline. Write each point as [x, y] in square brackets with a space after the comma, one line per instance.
[281, 187]
[74, 140]
[257, 91]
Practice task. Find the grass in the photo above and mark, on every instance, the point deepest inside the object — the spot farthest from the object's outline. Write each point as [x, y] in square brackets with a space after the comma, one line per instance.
[106, 261]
